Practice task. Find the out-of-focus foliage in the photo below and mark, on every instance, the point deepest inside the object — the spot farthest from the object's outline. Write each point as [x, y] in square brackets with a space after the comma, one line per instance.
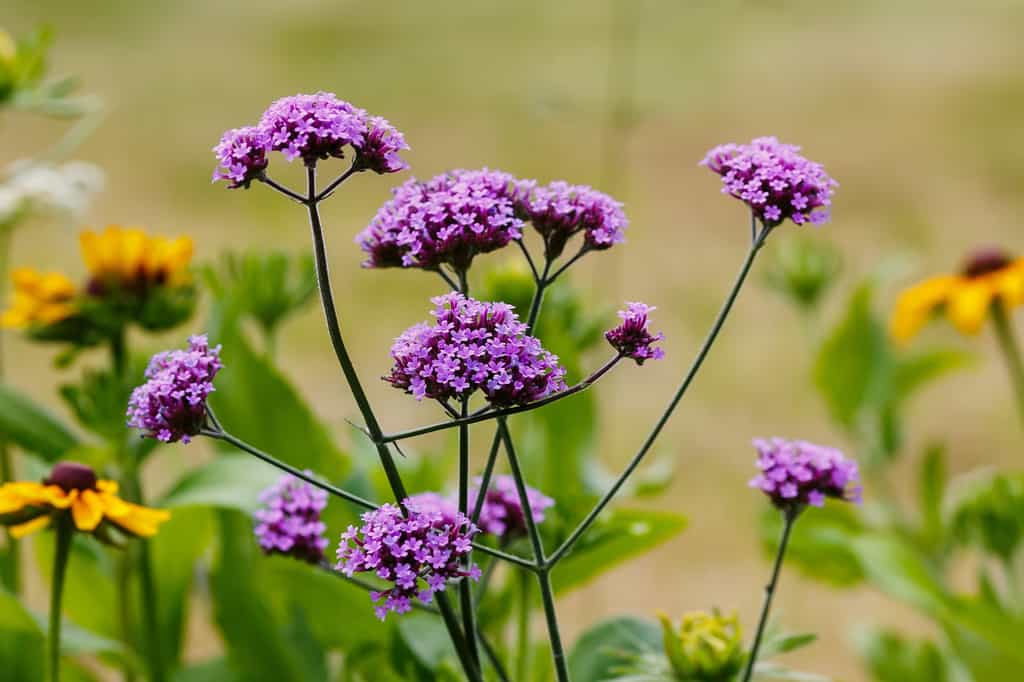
[23, 84]
[802, 269]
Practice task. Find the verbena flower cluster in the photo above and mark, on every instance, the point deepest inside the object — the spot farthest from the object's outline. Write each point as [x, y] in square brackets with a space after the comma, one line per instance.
[774, 180]
[632, 337]
[797, 473]
[310, 127]
[502, 514]
[559, 210]
[448, 219]
[290, 522]
[171, 405]
[419, 553]
[474, 346]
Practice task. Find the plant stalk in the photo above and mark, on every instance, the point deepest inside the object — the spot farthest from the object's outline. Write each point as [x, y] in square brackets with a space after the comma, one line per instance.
[147, 582]
[64, 532]
[523, 628]
[1011, 352]
[465, 589]
[11, 572]
[789, 518]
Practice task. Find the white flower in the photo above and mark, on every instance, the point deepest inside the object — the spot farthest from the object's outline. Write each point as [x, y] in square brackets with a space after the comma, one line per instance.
[64, 189]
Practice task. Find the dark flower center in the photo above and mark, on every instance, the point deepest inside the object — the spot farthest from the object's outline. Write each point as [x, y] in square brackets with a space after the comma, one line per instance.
[986, 260]
[72, 476]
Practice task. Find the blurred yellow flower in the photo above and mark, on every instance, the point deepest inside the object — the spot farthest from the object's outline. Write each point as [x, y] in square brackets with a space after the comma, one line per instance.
[129, 258]
[39, 298]
[989, 277]
[8, 48]
[27, 506]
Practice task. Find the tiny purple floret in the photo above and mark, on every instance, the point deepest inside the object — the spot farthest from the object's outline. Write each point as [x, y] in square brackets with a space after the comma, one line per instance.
[313, 127]
[242, 154]
[289, 523]
[794, 474]
[474, 346]
[380, 149]
[418, 554]
[774, 180]
[502, 515]
[632, 337]
[560, 210]
[171, 405]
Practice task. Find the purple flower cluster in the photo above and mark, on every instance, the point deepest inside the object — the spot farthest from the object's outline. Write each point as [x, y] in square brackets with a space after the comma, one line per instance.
[242, 153]
[798, 473]
[310, 127]
[419, 553]
[171, 405]
[474, 346]
[502, 515]
[774, 180]
[632, 338]
[560, 210]
[448, 219]
[290, 522]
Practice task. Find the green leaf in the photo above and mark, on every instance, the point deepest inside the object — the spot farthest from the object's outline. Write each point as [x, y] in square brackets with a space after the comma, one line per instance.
[217, 670]
[913, 372]
[606, 648]
[617, 536]
[256, 403]
[90, 597]
[896, 569]
[31, 427]
[230, 481]
[427, 640]
[819, 544]
[777, 643]
[892, 658]
[932, 480]
[22, 644]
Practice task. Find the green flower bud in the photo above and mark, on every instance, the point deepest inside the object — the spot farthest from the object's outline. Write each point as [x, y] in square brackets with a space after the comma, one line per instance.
[705, 647]
[802, 269]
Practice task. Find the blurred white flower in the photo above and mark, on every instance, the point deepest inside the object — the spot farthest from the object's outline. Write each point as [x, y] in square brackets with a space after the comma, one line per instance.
[63, 189]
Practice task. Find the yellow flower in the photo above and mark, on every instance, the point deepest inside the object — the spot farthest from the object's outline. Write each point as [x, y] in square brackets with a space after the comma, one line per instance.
[72, 488]
[39, 298]
[130, 258]
[989, 277]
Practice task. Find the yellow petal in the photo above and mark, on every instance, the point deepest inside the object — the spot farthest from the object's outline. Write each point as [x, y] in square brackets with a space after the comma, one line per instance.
[25, 279]
[141, 521]
[969, 304]
[87, 511]
[56, 497]
[1011, 284]
[55, 286]
[10, 502]
[23, 529]
[917, 304]
[105, 486]
[132, 253]
[92, 253]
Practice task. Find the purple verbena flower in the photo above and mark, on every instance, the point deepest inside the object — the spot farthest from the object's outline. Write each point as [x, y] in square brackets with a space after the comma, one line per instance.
[474, 346]
[632, 338]
[560, 210]
[290, 521]
[502, 515]
[774, 180]
[171, 405]
[448, 219]
[313, 127]
[797, 473]
[435, 502]
[418, 553]
[379, 152]
[242, 153]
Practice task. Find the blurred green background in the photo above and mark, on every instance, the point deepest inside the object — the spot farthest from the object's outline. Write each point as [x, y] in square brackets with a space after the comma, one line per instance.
[915, 107]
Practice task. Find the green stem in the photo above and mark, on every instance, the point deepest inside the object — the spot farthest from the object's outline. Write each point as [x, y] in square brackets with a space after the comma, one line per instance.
[523, 627]
[547, 595]
[150, 601]
[755, 246]
[11, 573]
[126, 614]
[769, 592]
[64, 532]
[465, 588]
[1011, 351]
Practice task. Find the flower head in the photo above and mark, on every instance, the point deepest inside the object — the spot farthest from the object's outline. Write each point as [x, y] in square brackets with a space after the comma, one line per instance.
[990, 276]
[31, 186]
[797, 473]
[313, 127]
[559, 210]
[774, 180]
[435, 502]
[448, 219]
[474, 346]
[127, 260]
[73, 489]
[380, 150]
[171, 405]
[632, 338]
[289, 523]
[242, 153]
[502, 515]
[39, 299]
[418, 553]
[705, 647]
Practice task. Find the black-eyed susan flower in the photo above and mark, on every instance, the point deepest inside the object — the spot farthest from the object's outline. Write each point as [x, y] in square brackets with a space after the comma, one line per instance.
[39, 299]
[128, 259]
[73, 490]
[989, 277]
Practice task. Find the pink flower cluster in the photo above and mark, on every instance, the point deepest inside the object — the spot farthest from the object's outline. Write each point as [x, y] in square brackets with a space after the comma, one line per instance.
[290, 522]
[796, 473]
[632, 337]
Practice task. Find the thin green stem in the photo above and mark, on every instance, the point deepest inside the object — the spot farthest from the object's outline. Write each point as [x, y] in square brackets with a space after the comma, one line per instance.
[673, 403]
[1011, 351]
[547, 595]
[522, 661]
[465, 588]
[64, 532]
[488, 473]
[11, 572]
[789, 519]
[147, 582]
